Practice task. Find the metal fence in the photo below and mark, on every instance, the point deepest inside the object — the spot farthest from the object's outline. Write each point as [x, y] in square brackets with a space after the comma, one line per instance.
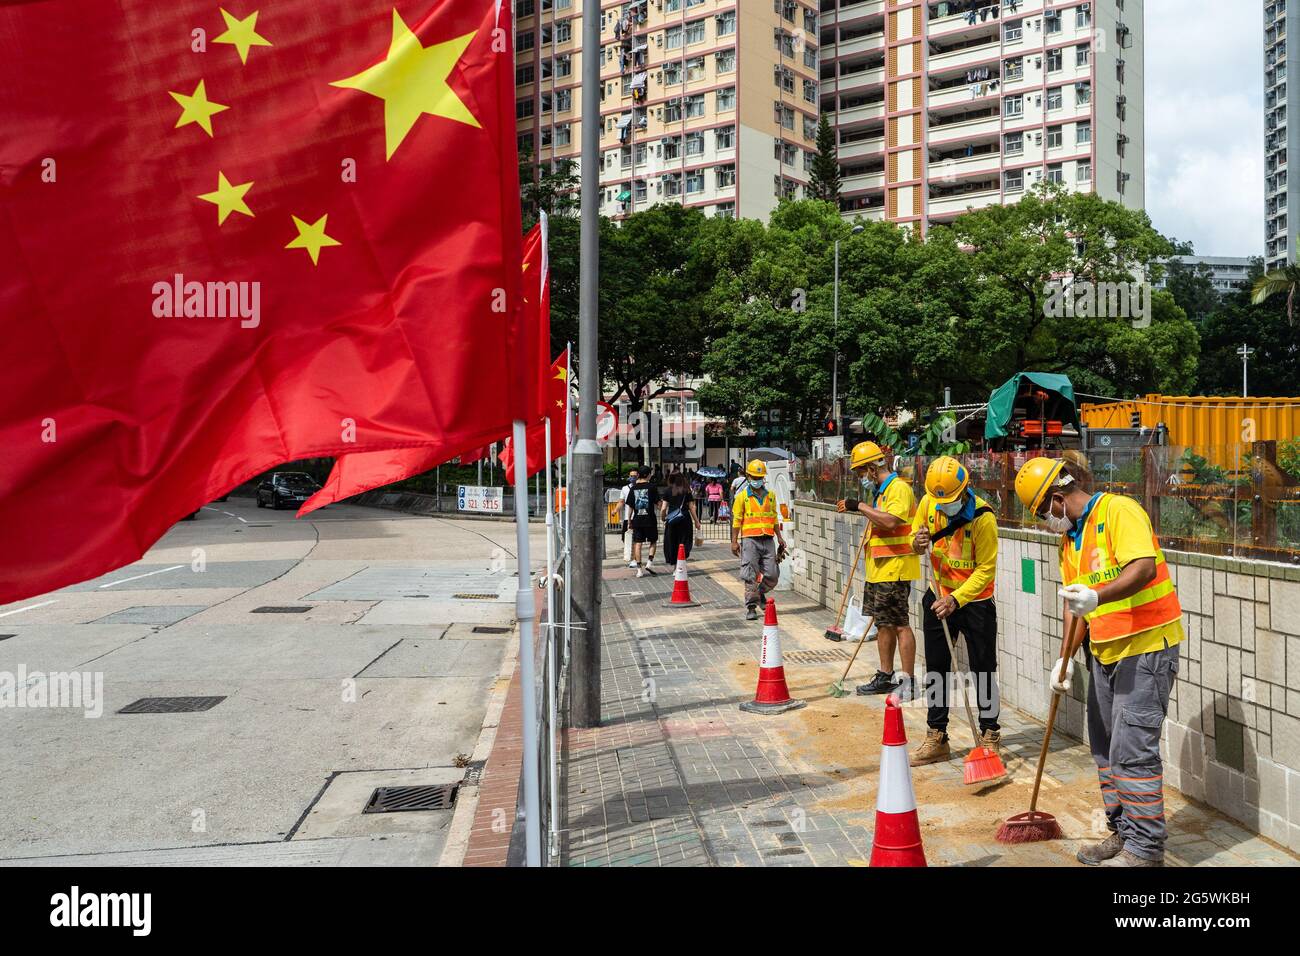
[713, 527]
[1248, 507]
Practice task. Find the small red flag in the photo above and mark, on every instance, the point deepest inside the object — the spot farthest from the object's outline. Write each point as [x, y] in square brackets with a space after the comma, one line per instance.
[236, 240]
[559, 390]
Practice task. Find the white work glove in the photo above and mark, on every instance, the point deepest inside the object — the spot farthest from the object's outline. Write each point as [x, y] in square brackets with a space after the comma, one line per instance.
[855, 625]
[1080, 598]
[1060, 677]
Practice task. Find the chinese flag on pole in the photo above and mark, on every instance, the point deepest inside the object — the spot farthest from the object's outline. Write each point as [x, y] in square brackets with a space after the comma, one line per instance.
[558, 392]
[355, 473]
[238, 237]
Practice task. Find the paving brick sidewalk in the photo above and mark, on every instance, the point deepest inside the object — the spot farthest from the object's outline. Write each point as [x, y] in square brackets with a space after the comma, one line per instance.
[677, 775]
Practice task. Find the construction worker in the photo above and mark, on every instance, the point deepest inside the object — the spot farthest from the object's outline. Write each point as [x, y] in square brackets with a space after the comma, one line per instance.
[891, 566]
[960, 530]
[1115, 577]
[756, 537]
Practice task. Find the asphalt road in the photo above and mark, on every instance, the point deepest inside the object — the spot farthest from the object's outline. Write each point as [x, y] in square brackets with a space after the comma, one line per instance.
[381, 680]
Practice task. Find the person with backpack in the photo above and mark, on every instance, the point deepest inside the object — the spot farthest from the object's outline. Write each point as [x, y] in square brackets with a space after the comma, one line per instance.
[681, 521]
[643, 505]
[959, 529]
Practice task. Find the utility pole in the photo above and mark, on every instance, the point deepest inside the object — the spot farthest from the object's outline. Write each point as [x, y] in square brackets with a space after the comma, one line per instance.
[1245, 354]
[588, 528]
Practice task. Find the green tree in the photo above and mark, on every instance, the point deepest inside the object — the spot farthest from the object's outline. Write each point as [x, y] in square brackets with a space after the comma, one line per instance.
[1279, 282]
[824, 183]
[552, 188]
[1192, 288]
[1266, 328]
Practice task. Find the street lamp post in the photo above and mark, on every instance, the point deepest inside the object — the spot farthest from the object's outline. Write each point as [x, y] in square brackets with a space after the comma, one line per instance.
[1245, 354]
[835, 335]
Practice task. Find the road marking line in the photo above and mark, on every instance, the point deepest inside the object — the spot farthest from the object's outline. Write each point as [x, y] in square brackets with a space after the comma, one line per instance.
[19, 610]
[147, 574]
[235, 516]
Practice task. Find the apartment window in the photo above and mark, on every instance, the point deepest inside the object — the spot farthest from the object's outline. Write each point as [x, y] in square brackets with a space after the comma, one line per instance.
[1055, 62]
[1013, 106]
[640, 190]
[695, 105]
[625, 157]
[726, 23]
[672, 184]
[1014, 180]
[1014, 144]
[563, 134]
[726, 176]
[1054, 99]
[524, 108]
[727, 98]
[783, 42]
[673, 6]
[673, 38]
[1120, 142]
[673, 110]
[524, 8]
[1054, 137]
[695, 68]
[726, 210]
[1082, 55]
[642, 153]
[810, 22]
[1083, 17]
[695, 144]
[1013, 31]
[1052, 22]
[784, 115]
[1055, 173]
[695, 31]
[1083, 172]
[809, 128]
[810, 91]
[673, 73]
[563, 101]
[524, 75]
[724, 137]
[695, 182]
[525, 143]
[564, 31]
[1121, 178]
[1119, 70]
[1013, 69]
[525, 41]
[1082, 94]
[546, 103]
[673, 147]
[810, 57]
[725, 61]
[783, 77]
[1083, 133]
[548, 31]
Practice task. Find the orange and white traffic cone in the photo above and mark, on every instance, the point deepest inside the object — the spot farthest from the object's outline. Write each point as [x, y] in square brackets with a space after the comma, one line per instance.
[898, 830]
[681, 586]
[773, 696]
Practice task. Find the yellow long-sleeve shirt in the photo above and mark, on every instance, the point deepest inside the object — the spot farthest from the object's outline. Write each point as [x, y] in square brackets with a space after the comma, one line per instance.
[981, 534]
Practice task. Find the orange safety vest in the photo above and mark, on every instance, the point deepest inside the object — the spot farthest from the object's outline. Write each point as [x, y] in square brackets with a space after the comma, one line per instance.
[953, 556]
[901, 542]
[1094, 563]
[756, 519]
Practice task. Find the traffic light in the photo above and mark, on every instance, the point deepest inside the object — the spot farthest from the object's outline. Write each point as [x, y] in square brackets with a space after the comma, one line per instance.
[832, 429]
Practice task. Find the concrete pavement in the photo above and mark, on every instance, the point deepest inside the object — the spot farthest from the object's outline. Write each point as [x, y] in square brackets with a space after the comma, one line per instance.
[366, 671]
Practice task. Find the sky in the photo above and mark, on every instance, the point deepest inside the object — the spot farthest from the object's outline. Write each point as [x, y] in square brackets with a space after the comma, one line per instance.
[1205, 123]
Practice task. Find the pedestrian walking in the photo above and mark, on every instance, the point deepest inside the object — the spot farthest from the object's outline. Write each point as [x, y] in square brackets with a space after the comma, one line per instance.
[643, 504]
[756, 537]
[891, 566]
[681, 520]
[714, 492]
[625, 513]
[1115, 577]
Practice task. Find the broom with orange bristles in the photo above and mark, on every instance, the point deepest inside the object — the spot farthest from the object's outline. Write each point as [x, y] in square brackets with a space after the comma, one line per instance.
[1035, 826]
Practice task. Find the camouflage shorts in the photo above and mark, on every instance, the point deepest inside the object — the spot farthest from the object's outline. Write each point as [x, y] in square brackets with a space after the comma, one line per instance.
[886, 601]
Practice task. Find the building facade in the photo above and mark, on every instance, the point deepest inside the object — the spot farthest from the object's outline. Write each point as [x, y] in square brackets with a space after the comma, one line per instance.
[1228, 274]
[1281, 132]
[708, 103]
[948, 105]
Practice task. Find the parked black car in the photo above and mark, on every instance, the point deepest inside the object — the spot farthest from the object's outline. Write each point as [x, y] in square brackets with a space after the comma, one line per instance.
[286, 488]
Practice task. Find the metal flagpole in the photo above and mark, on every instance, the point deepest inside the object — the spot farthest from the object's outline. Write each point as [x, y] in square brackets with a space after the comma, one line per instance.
[526, 614]
[568, 497]
[552, 680]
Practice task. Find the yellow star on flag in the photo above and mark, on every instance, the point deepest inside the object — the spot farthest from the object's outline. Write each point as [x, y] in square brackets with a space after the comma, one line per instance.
[228, 198]
[242, 34]
[413, 80]
[312, 237]
[196, 108]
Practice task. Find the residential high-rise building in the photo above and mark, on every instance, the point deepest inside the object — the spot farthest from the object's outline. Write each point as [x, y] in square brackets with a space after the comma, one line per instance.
[709, 103]
[948, 105]
[1281, 133]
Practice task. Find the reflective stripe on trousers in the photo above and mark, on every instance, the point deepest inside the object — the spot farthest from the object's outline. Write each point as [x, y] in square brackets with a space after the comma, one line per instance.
[1127, 703]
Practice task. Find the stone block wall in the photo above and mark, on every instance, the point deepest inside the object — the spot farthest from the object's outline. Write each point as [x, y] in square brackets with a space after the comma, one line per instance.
[1232, 737]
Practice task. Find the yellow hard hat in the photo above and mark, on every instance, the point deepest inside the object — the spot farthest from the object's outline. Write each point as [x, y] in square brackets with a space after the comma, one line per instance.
[1034, 479]
[756, 469]
[946, 479]
[866, 453]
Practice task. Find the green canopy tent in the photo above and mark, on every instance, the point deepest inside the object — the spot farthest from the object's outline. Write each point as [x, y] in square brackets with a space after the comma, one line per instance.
[1019, 389]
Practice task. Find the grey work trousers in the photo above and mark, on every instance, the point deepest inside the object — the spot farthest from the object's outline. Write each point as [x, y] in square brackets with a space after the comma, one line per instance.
[758, 556]
[1127, 703]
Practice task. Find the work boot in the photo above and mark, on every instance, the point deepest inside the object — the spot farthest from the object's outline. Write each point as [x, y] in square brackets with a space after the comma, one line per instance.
[933, 748]
[752, 613]
[1095, 854]
[882, 683]
[1125, 858]
[991, 740]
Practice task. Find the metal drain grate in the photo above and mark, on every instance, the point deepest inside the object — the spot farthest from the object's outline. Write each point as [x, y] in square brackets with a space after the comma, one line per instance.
[171, 705]
[279, 609]
[475, 597]
[486, 629]
[399, 799]
[474, 771]
[817, 657]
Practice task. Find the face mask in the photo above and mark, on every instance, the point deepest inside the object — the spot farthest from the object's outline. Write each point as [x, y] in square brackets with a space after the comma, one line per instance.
[952, 508]
[756, 484]
[1059, 524]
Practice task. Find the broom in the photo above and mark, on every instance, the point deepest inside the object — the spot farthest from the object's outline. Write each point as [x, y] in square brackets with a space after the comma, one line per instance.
[837, 688]
[1035, 826]
[835, 632]
[981, 765]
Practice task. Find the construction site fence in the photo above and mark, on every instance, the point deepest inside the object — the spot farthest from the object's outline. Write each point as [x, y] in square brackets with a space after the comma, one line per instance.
[1240, 500]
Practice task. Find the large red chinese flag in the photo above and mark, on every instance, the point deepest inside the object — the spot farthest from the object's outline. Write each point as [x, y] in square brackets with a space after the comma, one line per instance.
[354, 473]
[236, 237]
[558, 390]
